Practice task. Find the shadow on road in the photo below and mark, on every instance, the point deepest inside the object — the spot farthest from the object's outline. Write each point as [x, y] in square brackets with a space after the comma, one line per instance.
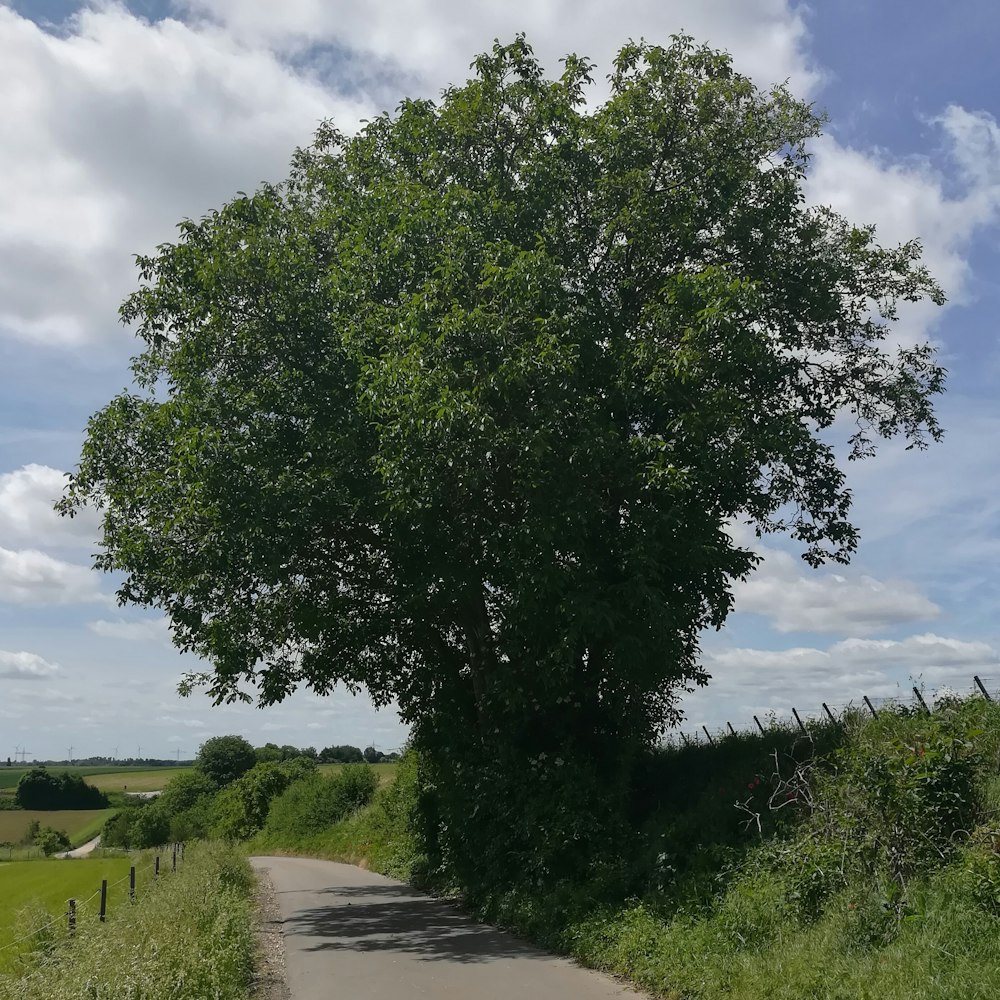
[393, 918]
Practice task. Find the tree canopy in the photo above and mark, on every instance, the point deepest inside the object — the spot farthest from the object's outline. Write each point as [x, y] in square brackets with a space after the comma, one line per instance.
[223, 759]
[460, 411]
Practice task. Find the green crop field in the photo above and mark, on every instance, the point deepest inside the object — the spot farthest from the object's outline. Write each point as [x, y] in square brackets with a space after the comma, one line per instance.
[152, 779]
[33, 892]
[78, 824]
[139, 779]
[386, 772]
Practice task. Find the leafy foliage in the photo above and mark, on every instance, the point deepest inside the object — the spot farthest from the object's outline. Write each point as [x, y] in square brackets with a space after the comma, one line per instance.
[310, 806]
[240, 809]
[225, 758]
[460, 413]
[50, 840]
[39, 788]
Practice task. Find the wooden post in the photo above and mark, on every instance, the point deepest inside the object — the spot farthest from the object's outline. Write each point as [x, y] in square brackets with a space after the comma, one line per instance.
[980, 685]
[759, 726]
[182, 850]
[72, 916]
[685, 739]
[173, 863]
[709, 735]
[920, 698]
[871, 707]
[156, 867]
[131, 884]
[104, 900]
[799, 721]
[732, 731]
[829, 714]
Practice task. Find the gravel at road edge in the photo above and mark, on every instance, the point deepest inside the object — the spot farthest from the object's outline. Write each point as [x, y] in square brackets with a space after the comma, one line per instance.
[269, 982]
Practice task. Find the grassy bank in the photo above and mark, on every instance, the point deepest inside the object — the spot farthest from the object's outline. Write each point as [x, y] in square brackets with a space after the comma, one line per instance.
[862, 861]
[188, 938]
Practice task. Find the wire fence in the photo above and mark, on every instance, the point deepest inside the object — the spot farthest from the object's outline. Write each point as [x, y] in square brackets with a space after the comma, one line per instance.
[918, 699]
[99, 907]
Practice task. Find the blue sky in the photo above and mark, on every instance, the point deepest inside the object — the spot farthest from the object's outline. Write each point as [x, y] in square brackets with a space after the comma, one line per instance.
[120, 120]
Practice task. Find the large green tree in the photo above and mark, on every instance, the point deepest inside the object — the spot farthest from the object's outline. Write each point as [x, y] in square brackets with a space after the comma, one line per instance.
[461, 410]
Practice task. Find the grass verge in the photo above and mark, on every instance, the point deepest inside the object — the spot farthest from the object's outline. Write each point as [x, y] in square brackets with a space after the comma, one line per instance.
[188, 938]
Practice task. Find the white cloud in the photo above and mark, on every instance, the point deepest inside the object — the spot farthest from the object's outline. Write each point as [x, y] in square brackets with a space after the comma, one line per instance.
[115, 129]
[27, 496]
[795, 598]
[24, 666]
[155, 629]
[433, 41]
[28, 576]
[910, 198]
[755, 681]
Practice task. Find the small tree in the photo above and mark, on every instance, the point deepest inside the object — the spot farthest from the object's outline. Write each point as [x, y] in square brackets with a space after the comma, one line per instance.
[224, 758]
[51, 840]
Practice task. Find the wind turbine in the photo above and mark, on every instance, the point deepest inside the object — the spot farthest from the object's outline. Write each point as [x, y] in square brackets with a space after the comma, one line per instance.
[69, 755]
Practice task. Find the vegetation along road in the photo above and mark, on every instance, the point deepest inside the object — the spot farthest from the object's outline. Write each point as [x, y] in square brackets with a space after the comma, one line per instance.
[376, 937]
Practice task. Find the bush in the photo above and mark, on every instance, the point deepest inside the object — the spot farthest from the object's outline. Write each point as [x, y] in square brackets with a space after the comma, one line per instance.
[51, 841]
[240, 810]
[316, 803]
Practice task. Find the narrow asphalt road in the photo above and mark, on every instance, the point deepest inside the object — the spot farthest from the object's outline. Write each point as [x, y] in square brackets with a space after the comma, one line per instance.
[352, 934]
[82, 851]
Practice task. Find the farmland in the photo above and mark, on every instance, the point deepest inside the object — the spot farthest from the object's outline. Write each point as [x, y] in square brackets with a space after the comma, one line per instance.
[108, 778]
[78, 824]
[385, 772]
[35, 891]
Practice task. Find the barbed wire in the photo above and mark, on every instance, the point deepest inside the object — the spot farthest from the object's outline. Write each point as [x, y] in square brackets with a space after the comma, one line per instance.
[865, 705]
[80, 904]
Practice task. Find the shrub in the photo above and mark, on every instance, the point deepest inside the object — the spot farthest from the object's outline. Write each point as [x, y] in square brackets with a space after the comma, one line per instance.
[316, 803]
[50, 841]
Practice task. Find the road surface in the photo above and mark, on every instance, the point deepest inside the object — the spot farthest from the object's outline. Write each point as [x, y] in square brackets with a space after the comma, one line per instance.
[82, 851]
[352, 934]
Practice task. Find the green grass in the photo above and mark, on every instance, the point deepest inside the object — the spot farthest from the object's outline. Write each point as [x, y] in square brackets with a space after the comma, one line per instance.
[80, 825]
[34, 892]
[190, 937]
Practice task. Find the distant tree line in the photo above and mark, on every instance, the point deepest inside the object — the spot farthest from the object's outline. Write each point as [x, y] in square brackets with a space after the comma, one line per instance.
[346, 754]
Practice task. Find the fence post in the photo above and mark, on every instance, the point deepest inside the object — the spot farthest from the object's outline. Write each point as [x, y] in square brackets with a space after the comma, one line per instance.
[173, 863]
[829, 714]
[156, 867]
[131, 884]
[920, 698]
[871, 707]
[732, 731]
[979, 684]
[759, 726]
[72, 916]
[182, 850]
[709, 735]
[799, 721]
[685, 739]
[104, 899]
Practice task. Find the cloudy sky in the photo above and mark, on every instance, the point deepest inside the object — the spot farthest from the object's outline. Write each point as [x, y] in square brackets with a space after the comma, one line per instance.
[119, 120]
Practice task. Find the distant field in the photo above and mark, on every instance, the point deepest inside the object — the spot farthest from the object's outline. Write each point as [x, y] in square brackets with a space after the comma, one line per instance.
[386, 772]
[32, 890]
[79, 824]
[9, 776]
[150, 780]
